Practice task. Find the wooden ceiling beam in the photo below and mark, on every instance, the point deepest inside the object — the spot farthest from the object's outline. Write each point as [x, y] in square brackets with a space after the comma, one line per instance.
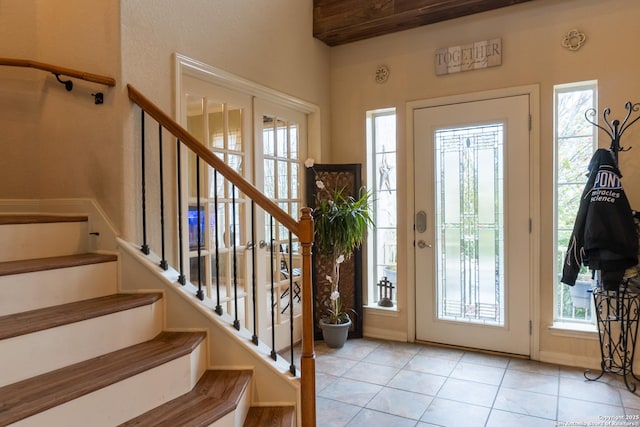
[338, 22]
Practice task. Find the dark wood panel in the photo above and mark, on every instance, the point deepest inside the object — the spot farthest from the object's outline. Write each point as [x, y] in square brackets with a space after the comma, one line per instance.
[337, 22]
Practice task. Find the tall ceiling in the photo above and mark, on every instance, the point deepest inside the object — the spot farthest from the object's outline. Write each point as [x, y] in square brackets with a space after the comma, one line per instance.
[337, 22]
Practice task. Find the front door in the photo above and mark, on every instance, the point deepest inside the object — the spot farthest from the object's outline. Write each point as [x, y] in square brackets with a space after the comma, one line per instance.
[472, 223]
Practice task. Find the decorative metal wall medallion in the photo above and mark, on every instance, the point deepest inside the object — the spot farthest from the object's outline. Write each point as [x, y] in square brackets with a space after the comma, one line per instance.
[382, 74]
[573, 40]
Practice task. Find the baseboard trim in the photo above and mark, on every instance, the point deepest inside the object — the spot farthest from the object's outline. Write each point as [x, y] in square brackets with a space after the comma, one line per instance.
[569, 360]
[385, 334]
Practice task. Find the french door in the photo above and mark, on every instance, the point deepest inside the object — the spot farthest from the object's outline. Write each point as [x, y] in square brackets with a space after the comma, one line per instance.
[471, 180]
[265, 143]
[280, 152]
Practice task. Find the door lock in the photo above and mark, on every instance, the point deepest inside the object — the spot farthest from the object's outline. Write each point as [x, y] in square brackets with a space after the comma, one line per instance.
[421, 222]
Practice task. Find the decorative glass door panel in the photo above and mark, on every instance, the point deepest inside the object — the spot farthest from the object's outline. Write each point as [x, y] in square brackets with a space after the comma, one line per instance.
[470, 223]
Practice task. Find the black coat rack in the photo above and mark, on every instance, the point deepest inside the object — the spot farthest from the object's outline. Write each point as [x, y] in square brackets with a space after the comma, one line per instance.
[615, 129]
[617, 311]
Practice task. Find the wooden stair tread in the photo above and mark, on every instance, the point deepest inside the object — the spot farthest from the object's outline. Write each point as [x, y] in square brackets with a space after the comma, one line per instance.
[31, 396]
[52, 263]
[270, 416]
[216, 394]
[27, 322]
[6, 219]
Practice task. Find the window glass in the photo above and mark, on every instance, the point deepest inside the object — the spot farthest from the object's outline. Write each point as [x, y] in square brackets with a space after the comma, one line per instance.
[382, 178]
[575, 142]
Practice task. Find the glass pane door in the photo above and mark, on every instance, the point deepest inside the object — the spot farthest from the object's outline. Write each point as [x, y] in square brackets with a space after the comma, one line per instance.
[470, 223]
[472, 262]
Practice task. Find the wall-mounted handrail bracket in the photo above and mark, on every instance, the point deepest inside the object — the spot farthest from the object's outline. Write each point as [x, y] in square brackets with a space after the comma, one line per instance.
[99, 98]
[68, 84]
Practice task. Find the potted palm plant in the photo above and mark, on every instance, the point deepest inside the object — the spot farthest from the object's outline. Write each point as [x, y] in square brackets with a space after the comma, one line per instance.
[340, 226]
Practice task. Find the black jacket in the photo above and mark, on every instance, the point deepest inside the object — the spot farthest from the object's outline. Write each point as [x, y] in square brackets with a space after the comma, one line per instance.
[604, 235]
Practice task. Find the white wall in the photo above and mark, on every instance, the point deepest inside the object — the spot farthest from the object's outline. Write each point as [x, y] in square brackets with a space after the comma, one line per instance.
[532, 54]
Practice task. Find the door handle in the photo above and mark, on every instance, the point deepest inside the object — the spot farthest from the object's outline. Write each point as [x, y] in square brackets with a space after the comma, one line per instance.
[422, 244]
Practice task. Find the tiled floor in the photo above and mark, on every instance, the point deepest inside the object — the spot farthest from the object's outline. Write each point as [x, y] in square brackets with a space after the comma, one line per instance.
[377, 383]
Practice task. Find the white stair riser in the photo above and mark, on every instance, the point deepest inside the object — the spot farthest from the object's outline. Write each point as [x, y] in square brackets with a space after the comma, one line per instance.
[37, 353]
[39, 289]
[228, 420]
[124, 400]
[30, 241]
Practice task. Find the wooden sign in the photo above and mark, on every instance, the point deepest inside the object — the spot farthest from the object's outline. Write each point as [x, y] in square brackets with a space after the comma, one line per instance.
[468, 57]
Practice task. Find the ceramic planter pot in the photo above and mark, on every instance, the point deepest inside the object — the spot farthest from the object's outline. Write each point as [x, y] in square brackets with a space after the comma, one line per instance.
[335, 335]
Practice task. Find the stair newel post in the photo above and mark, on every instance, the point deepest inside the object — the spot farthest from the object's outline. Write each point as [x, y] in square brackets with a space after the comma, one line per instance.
[145, 246]
[308, 357]
[163, 263]
[181, 278]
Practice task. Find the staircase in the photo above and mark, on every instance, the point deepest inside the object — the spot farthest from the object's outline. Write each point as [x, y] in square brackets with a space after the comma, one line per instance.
[75, 352]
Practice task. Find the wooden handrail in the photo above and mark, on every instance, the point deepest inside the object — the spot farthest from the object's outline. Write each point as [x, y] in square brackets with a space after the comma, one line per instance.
[214, 161]
[95, 78]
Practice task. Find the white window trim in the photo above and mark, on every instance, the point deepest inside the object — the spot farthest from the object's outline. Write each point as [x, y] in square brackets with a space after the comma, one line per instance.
[370, 263]
[562, 327]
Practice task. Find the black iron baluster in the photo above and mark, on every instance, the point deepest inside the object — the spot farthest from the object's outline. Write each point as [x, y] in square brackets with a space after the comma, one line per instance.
[292, 366]
[163, 263]
[236, 322]
[200, 293]
[274, 355]
[218, 308]
[254, 246]
[181, 278]
[145, 246]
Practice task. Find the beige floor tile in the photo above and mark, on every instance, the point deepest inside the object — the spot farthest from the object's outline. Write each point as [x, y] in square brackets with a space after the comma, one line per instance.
[449, 413]
[349, 391]
[478, 373]
[417, 382]
[401, 403]
[468, 392]
[372, 373]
